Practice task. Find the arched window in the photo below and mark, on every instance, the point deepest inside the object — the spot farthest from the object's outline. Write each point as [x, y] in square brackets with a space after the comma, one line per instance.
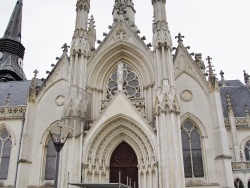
[247, 150]
[238, 183]
[130, 86]
[5, 150]
[50, 165]
[192, 153]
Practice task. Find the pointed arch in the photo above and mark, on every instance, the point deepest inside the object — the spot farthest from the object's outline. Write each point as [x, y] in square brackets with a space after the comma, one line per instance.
[103, 64]
[192, 149]
[5, 151]
[188, 116]
[10, 131]
[238, 183]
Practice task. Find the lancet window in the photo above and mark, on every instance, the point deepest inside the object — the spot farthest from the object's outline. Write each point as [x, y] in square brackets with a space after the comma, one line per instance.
[247, 151]
[127, 79]
[192, 151]
[50, 164]
[5, 150]
[238, 183]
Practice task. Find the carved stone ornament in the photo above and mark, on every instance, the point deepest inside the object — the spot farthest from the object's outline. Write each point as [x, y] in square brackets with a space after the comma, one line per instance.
[186, 95]
[60, 100]
[121, 34]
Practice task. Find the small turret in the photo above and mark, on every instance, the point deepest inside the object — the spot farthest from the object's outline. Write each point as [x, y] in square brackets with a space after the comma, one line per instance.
[11, 49]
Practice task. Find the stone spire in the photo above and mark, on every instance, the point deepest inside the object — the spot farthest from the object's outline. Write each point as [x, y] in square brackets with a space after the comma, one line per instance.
[80, 45]
[11, 49]
[124, 10]
[161, 33]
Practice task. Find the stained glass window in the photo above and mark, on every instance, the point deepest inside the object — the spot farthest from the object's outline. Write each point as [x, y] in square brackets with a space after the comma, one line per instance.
[5, 150]
[247, 151]
[192, 153]
[50, 161]
[238, 183]
[130, 86]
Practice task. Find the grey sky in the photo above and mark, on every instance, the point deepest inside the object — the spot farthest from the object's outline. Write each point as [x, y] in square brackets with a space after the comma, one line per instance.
[218, 28]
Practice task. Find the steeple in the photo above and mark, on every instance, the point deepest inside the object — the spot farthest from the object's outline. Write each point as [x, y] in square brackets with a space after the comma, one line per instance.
[124, 10]
[11, 49]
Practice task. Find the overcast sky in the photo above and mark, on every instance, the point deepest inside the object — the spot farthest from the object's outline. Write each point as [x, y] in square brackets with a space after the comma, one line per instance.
[218, 28]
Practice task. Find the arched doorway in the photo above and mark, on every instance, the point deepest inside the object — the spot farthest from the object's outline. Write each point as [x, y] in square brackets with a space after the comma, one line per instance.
[124, 160]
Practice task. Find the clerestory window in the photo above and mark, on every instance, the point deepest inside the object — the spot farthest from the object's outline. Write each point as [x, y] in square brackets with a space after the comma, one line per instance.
[5, 150]
[192, 151]
[128, 79]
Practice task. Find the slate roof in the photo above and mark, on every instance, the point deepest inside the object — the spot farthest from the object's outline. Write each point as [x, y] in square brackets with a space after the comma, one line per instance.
[18, 92]
[240, 96]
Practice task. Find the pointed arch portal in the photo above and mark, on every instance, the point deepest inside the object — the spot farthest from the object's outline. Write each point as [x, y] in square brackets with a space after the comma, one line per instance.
[124, 160]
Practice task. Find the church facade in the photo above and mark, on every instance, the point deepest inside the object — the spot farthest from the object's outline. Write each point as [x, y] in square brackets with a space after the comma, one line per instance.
[152, 112]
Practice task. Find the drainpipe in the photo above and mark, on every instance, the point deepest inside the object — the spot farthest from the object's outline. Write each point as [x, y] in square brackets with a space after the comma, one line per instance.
[19, 149]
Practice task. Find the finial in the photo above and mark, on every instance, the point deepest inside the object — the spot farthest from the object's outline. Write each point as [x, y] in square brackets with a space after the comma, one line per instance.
[8, 99]
[210, 68]
[223, 82]
[179, 37]
[91, 22]
[33, 87]
[246, 77]
[65, 48]
[229, 103]
[35, 73]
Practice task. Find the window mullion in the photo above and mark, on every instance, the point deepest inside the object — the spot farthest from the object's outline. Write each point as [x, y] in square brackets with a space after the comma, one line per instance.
[191, 155]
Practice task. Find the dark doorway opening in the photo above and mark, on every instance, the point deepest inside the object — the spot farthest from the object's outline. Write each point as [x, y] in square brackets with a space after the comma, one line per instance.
[124, 160]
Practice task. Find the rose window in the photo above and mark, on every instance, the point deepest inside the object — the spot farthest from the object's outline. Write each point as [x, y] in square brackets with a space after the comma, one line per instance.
[127, 79]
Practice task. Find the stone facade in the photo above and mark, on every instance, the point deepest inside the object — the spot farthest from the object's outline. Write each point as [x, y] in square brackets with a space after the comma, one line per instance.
[186, 128]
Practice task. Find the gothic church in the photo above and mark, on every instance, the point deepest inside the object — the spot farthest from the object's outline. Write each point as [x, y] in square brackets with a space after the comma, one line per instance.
[149, 111]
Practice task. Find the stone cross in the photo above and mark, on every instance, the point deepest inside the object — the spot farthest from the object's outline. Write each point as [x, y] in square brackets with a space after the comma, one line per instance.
[179, 37]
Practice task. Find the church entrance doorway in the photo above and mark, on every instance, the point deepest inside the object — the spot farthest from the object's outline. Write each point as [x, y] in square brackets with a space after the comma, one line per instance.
[124, 160]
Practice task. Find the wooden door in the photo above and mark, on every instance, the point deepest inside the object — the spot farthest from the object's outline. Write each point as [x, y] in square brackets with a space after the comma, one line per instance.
[124, 160]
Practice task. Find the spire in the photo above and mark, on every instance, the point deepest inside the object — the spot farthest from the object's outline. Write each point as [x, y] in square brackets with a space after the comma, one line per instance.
[124, 10]
[11, 49]
[13, 30]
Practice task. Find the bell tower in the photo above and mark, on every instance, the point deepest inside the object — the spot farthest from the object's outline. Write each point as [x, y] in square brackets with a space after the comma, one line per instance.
[11, 48]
